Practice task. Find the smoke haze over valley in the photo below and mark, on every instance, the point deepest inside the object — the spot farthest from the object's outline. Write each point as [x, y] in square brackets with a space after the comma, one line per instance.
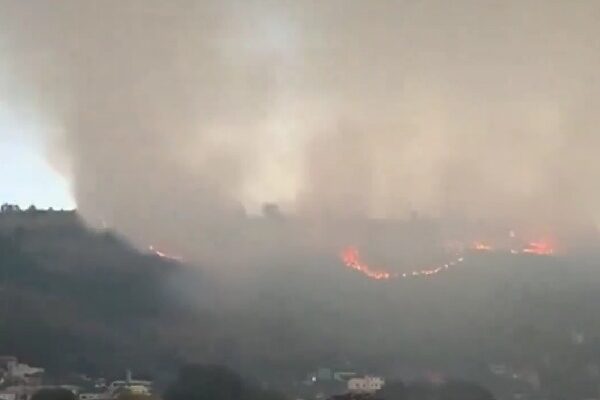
[406, 188]
[173, 119]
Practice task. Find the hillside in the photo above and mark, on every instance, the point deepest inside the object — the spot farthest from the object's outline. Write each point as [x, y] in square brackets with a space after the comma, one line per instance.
[75, 299]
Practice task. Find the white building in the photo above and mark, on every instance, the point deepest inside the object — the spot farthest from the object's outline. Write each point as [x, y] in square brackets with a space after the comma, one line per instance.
[131, 385]
[23, 371]
[13, 372]
[368, 384]
[95, 396]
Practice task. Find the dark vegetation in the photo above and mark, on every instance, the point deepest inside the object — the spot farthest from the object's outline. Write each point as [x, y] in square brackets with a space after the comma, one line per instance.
[452, 390]
[208, 382]
[54, 394]
[74, 299]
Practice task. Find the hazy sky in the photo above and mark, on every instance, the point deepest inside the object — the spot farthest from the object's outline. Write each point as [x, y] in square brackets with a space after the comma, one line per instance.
[26, 177]
[170, 117]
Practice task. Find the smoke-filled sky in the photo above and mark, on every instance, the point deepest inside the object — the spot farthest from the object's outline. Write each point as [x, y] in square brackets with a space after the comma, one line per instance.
[169, 118]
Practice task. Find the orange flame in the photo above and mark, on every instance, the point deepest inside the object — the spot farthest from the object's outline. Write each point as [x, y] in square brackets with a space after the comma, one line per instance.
[540, 248]
[480, 246]
[351, 258]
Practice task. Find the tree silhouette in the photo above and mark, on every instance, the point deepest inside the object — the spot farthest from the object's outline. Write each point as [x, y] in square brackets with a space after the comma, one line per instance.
[210, 382]
[54, 394]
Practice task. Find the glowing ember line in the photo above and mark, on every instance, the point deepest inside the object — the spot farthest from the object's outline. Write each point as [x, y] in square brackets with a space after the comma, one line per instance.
[351, 258]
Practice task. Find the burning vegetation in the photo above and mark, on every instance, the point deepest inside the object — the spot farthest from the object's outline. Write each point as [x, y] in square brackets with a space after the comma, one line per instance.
[540, 248]
[350, 257]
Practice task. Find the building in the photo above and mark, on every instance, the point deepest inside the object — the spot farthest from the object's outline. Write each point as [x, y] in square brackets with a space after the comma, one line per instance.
[95, 396]
[342, 376]
[14, 372]
[133, 386]
[25, 373]
[368, 384]
[327, 375]
[129, 385]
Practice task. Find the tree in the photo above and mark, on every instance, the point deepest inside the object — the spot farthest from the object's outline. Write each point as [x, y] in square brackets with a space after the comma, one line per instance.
[205, 382]
[211, 382]
[460, 390]
[394, 390]
[422, 391]
[54, 394]
[452, 390]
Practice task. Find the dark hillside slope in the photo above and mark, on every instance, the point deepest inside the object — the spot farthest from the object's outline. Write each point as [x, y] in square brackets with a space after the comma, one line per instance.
[74, 299]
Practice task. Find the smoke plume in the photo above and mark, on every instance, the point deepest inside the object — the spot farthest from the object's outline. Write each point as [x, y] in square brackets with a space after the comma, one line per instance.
[174, 119]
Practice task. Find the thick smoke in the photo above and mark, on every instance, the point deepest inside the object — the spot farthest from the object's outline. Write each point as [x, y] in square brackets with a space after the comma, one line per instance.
[172, 118]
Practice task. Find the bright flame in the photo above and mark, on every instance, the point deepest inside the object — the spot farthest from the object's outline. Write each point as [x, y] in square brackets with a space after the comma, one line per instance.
[160, 254]
[480, 246]
[351, 258]
[539, 248]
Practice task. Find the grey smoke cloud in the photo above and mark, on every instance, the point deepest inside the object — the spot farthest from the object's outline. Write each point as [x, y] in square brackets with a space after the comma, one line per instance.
[172, 117]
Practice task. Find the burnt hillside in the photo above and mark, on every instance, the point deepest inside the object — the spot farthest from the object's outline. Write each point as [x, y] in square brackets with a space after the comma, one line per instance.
[76, 299]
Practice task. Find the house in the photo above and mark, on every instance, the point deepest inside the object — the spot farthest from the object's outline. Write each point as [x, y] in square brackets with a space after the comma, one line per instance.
[14, 372]
[343, 376]
[25, 373]
[353, 396]
[368, 384]
[328, 375]
[131, 385]
[95, 396]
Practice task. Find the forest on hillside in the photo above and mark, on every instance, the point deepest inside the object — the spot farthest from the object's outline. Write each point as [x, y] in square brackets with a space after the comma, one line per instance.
[80, 300]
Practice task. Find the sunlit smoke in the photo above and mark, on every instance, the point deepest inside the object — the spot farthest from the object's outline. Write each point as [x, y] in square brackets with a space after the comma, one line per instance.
[161, 254]
[173, 119]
